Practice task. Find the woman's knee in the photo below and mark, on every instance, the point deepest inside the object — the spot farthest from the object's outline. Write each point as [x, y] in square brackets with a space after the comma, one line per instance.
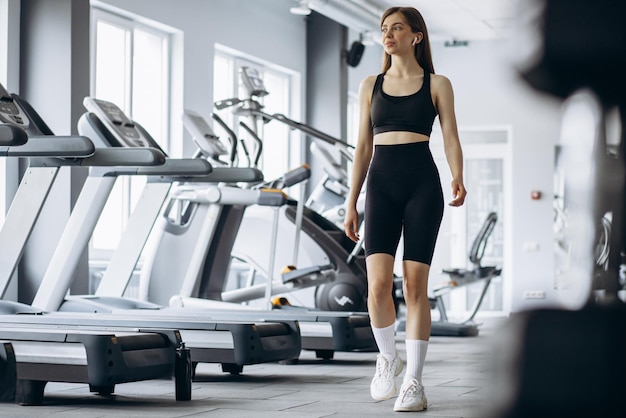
[380, 288]
[414, 289]
[415, 280]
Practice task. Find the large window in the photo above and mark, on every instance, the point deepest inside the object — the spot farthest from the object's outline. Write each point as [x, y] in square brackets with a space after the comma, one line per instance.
[281, 146]
[131, 68]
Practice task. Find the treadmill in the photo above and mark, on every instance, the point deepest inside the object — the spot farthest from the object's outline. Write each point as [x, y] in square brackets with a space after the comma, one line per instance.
[203, 244]
[32, 355]
[231, 343]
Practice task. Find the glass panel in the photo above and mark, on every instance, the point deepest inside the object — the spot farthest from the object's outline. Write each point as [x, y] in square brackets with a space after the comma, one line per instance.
[276, 136]
[484, 177]
[112, 80]
[223, 88]
[109, 228]
[112, 63]
[223, 75]
[150, 95]
[149, 79]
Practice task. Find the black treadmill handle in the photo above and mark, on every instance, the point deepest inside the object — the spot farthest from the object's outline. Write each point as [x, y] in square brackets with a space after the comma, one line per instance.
[125, 157]
[12, 135]
[57, 146]
[179, 167]
[231, 175]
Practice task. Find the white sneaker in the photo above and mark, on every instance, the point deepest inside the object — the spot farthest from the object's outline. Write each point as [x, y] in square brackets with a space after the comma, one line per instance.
[411, 397]
[383, 384]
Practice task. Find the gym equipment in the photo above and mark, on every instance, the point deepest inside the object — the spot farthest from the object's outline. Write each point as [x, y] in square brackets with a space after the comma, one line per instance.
[291, 277]
[225, 342]
[464, 277]
[570, 362]
[322, 241]
[11, 136]
[34, 355]
[459, 278]
[200, 239]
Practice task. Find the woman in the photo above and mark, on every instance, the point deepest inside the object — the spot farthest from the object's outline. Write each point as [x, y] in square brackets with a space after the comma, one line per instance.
[397, 112]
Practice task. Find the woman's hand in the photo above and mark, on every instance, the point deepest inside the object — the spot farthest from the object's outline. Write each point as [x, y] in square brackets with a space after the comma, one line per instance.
[458, 193]
[351, 224]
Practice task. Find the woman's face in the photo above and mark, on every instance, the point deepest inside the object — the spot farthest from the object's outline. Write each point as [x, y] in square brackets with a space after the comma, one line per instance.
[397, 35]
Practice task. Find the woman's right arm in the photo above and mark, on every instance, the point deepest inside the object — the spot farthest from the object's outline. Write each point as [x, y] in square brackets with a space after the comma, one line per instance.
[362, 157]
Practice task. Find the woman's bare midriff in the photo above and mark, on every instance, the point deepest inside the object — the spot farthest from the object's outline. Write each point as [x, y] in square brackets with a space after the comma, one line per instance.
[398, 137]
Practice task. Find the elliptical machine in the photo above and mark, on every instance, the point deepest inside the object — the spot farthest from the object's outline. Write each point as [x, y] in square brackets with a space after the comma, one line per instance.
[323, 241]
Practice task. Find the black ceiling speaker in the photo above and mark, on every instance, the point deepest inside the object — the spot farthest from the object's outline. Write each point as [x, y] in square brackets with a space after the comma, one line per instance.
[353, 58]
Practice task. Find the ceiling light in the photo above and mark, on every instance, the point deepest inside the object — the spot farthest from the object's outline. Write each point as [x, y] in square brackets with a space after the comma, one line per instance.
[302, 9]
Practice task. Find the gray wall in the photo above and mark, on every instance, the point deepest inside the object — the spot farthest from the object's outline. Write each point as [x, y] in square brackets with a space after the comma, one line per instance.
[326, 84]
[54, 78]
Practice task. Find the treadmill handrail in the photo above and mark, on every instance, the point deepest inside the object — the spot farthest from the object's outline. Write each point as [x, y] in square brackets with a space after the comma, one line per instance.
[11, 135]
[231, 175]
[179, 167]
[169, 171]
[140, 156]
[73, 146]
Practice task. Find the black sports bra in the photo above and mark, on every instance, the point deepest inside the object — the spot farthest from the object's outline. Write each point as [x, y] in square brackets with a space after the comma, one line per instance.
[413, 113]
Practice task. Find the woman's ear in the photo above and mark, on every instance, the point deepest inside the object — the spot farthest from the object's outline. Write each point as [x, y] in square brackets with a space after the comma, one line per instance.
[418, 38]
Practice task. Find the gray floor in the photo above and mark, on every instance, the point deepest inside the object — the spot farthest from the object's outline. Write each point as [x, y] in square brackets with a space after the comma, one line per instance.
[456, 378]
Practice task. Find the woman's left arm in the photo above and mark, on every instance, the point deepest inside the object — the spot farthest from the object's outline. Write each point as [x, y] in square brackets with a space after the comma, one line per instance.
[444, 102]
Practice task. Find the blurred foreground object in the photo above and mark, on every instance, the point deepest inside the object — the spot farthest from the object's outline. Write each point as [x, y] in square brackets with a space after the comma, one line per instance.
[572, 363]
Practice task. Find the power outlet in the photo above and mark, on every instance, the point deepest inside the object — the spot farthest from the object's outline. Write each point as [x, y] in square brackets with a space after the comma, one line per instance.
[534, 294]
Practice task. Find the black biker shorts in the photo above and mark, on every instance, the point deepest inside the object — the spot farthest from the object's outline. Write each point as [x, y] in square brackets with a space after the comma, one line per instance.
[403, 194]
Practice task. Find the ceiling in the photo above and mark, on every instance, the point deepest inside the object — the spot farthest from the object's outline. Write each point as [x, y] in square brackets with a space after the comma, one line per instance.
[447, 20]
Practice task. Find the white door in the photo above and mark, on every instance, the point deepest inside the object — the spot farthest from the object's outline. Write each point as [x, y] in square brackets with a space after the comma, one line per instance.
[486, 156]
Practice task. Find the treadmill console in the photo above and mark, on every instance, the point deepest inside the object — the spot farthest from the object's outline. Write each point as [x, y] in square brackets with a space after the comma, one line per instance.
[125, 130]
[202, 134]
[11, 112]
[252, 81]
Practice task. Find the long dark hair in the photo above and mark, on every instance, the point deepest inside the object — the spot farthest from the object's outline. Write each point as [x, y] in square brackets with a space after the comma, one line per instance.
[416, 22]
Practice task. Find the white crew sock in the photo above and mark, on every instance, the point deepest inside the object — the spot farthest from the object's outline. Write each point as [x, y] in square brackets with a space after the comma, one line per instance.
[415, 359]
[386, 341]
